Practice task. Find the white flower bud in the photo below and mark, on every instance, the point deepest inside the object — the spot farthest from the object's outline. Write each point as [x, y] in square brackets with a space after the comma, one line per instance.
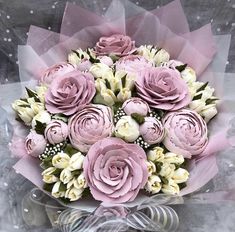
[43, 117]
[154, 184]
[156, 154]
[76, 161]
[99, 70]
[127, 128]
[171, 188]
[66, 176]
[180, 176]
[74, 194]
[80, 182]
[61, 160]
[188, 75]
[37, 107]
[41, 91]
[56, 190]
[167, 170]
[48, 177]
[173, 158]
[124, 95]
[208, 112]
[151, 167]
[197, 105]
[161, 57]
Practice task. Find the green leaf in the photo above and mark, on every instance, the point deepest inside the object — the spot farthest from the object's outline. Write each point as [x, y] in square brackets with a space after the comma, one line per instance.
[197, 97]
[66, 201]
[182, 185]
[77, 53]
[46, 163]
[86, 192]
[40, 127]
[61, 117]
[138, 118]
[114, 57]
[202, 87]
[70, 150]
[82, 56]
[62, 187]
[164, 180]
[211, 100]
[158, 166]
[76, 172]
[181, 68]
[124, 81]
[56, 173]
[32, 94]
[116, 107]
[107, 84]
[92, 59]
[48, 187]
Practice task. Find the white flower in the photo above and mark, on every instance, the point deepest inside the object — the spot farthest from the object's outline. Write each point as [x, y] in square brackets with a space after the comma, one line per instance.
[171, 188]
[154, 184]
[43, 117]
[66, 176]
[100, 70]
[77, 56]
[208, 112]
[61, 160]
[74, 194]
[48, 176]
[80, 182]
[127, 128]
[41, 91]
[56, 192]
[124, 94]
[188, 75]
[70, 184]
[197, 105]
[37, 107]
[156, 154]
[76, 161]
[180, 176]
[161, 57]
[151, 167]
[167, 170]
[173, 158]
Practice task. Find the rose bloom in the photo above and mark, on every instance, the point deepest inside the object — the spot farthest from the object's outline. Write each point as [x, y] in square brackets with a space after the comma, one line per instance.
[70, 93]
[115, 170]
[152, 130]
[163, 88]
[35, 144]
[133, 64]
[119, 45]
[135, 105]
[186, 133]
[56, 132]
[90, 125]
[57, 70]
[111, 211]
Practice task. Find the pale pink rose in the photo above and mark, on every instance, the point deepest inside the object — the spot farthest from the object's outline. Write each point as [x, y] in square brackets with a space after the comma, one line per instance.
[105, 60]
[163, 88]
[70, 93]
[152, 130]
[186, 133]
[89, 125]
[120, 45]
[35, 144]
[55, 71]
[56, 132]
[84, 65]
[115, 170]
[135, 105]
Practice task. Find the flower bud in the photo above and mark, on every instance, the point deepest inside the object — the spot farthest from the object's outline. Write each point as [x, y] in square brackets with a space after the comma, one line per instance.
[56, 190]
[188, 75]
[154, 184]
[48, 176]
[76, 161]
[167, 170]
[173, 158]
[66, 176]
[151, 167]
[156, 154]
[171, 188]
[208, 112]
[61, 160]
[74, 194]
[43, 117]
[80, 182]
[180, 176]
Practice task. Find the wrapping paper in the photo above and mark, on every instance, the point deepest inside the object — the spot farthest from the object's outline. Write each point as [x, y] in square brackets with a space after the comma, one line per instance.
[198, 49]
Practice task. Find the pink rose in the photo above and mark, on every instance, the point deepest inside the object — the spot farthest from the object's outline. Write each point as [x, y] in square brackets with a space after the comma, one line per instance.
[163, 88]
[105, 60]
[35, 144]
[186, 133]
[135, 105]
[84, 65]
[55, 71]
[115, 170]
[152, 130]
[89, 125]
[133, 64]
[56, 132]
[70, 93]
[120, 45]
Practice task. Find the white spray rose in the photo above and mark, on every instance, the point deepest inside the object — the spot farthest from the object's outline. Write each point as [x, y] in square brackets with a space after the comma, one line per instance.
[208, 112]
[76, 57]
[41, 91]
[56, 190]
[80, 182]
[173, 158]
[154, 184]
[156, 154]
[74, 194]
[48, 176]
[99, 70]
[180, 176]
[127, 128]
[189, 75]
[171, 188]
[124, 94]
[61, 160]
[151, 167]
[66, 176]
[167, 170]
[161, 57]
[197, 105]
[76, 161]
[43, 117]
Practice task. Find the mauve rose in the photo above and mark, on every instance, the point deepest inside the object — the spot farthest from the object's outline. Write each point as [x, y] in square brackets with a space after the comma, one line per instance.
[56, 132]
[70, 93]
[89, 125]
[120, 45]
[133, 64]
[136, 105]
[84, 65]
[115, 170]
[111, 211]
[55, 71]
[186, 133]
[163, 88]
[152, 130]
[35, 144]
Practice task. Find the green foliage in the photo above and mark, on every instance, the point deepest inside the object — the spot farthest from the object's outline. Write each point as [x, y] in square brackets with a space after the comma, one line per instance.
[138, 118]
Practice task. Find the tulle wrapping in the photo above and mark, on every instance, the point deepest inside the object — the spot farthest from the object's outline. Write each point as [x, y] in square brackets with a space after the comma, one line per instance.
[166, 27]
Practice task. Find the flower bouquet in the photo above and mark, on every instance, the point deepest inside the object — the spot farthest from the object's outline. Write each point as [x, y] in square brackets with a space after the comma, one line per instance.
[122, 107]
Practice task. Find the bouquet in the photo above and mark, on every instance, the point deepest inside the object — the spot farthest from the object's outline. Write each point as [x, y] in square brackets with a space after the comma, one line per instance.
[119, 111]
